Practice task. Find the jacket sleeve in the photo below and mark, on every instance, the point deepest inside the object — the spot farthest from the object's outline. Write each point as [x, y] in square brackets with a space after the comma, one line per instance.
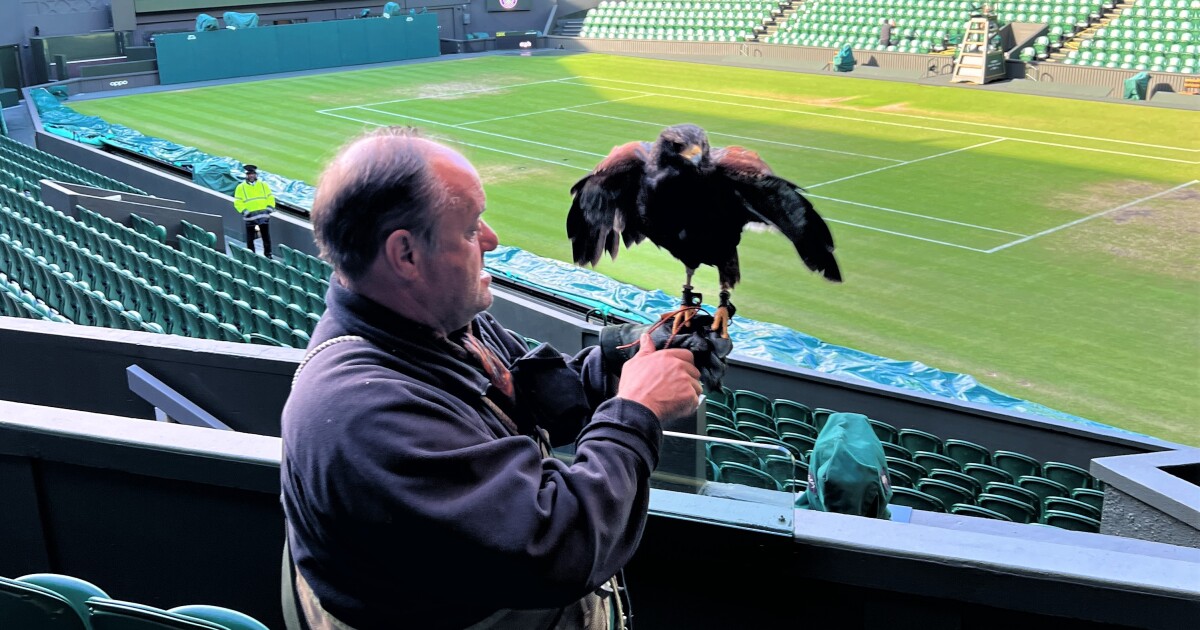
[459, 506]
[239, 198]
[270, 196]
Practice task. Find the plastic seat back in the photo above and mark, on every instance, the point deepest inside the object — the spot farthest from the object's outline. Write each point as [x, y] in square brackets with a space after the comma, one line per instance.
[32, 607]
[231, 619]
[111, 614]
[916, 499]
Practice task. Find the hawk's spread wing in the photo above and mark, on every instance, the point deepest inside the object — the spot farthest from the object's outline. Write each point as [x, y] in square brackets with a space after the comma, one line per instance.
[778, 202]
[605, 205]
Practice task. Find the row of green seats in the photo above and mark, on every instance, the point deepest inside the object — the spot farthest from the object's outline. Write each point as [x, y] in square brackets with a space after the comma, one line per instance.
[162, 294]
[302, 315]
[305, 263]
[1157, 63]
[279, 271]
[72, 300]
[44, 601]
[690, 36]
[193, 262]
[1183, 24]
[16, 301]
[53, 167]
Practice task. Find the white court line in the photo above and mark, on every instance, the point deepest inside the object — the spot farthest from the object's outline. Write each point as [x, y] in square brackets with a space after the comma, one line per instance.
[867, 111]
[496, 88]
[892, 124]
[913, 214]
[884, 168]
[469, 144]
[1089, 217]
[547, 111]
[919, 238]
[730, 135]
[480, 131]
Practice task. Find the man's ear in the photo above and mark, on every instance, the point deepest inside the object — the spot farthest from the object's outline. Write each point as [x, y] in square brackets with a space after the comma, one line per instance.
[402, 252]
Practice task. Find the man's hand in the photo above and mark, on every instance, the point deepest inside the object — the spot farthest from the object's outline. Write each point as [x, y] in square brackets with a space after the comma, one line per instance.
[665, 381]
[709, 350]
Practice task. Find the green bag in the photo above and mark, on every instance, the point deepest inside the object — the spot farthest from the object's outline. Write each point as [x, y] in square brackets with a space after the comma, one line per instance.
[847, 471]
[844, 60]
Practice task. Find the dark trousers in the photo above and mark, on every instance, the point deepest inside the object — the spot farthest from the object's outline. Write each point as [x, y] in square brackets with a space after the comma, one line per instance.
[265, 230]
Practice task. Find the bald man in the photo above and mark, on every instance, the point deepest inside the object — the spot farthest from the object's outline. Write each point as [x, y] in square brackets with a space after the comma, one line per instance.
[418, 484]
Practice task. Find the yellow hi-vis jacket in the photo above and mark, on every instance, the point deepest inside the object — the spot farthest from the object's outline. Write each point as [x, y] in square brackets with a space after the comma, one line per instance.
[251, 200]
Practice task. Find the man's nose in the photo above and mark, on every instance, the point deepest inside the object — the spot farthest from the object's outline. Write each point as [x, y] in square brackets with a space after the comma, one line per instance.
[488, 239]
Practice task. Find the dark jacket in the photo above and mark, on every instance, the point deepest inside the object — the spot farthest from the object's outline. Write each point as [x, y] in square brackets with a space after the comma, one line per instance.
[409, 502]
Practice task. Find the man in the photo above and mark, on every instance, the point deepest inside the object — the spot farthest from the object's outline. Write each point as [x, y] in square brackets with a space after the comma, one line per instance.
[417, 481]
[885, 32]
[254, 201]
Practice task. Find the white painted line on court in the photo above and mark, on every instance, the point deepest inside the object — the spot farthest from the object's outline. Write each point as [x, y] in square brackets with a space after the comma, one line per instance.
[495, 88]
[884, 168]
[569, 108]
[867, 111]
[894, 124]
[1089, 217]
[469, 144]
[919, 238]
[730, 135]
[913, 214]
[480, 131]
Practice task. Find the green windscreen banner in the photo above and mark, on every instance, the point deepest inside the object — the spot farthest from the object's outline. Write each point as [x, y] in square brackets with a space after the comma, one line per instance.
[509, 5]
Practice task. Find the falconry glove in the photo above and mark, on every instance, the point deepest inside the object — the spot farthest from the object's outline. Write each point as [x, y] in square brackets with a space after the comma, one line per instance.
[709, 351]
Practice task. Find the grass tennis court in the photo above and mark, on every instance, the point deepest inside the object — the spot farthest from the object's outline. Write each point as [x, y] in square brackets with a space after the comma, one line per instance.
[1047, 246]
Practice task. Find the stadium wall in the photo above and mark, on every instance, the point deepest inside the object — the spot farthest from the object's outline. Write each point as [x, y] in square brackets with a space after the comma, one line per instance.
[164, 514]
[22, 19]
[904, 65]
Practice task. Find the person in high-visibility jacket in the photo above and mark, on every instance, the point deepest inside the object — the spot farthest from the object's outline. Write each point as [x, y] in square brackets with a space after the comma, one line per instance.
[254, 201]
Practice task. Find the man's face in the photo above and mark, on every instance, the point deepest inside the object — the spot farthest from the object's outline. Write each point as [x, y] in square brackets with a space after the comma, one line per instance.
[454, 286]
[252, 176]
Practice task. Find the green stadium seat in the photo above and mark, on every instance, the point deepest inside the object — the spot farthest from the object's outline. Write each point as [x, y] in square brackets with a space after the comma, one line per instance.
[111, 614]
[884, 431]
[726, 433]
[225, 617]
[821, 416]
[720, 453]
[1094, 498]
[790, 410]
[986, 474]
[947, 492]
[965, 452]
[1063, 504]
[964, 509]
[962, 480]
[1071, 521]
[1016, 464]
[718, 407]
[723, 396]
[1014, 491]
[785, 425]
[899, 479]
[799, 443]
[780, 468]
[1043, 487]
[73, 589]
[915, 440]
[897, 451]
[716, 419]
[916, 499]
[745, 475]
[1015, 509]
[909, 469]
[753, 401]
[933, 461]
[32, 607]
[1068, 475]
[796, 453]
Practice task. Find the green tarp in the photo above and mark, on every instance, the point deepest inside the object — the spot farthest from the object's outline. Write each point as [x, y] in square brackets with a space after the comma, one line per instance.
[847, 470]
[844, 60]
[391, 9]
[1135, 86]
[236, 20]
[206, 22]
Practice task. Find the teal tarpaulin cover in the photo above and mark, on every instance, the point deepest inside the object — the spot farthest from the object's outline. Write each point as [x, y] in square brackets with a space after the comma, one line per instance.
[847, 470]
[240, 20]
[844, 60]
[1135, 86]
[206, 22]
[391, 9]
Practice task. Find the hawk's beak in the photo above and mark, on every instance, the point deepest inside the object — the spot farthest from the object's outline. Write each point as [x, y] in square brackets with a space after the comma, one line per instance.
[693, 153]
